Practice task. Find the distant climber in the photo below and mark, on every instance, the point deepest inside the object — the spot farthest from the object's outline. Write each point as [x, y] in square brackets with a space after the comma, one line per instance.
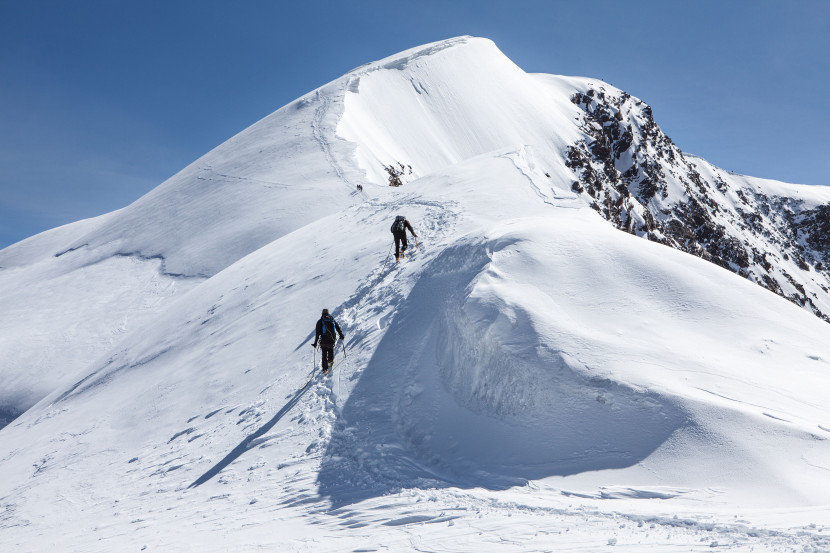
[326, 327]
[399, 233]
[360, 188]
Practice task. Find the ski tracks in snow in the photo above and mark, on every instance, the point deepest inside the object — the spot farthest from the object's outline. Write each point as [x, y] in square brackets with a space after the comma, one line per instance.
[369, 310]
[312, 410]
[521, 159]
[317, 131]
[314, 405]
[418, 520]
[365, 316]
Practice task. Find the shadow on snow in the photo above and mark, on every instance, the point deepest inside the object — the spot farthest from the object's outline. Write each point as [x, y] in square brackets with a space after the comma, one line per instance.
[407, 424]
[248, 442]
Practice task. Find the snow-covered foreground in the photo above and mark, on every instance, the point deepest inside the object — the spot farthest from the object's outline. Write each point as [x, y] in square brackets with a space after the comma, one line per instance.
[527, 379]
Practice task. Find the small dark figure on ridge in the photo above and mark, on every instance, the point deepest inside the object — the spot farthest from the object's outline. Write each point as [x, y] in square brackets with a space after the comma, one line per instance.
[399, 233]
[326, 327]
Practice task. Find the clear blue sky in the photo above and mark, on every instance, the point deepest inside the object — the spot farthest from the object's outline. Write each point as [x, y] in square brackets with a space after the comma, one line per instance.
[102, 100]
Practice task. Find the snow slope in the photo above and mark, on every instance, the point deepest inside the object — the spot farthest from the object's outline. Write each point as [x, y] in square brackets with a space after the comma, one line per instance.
[278, 175]
[529, 378]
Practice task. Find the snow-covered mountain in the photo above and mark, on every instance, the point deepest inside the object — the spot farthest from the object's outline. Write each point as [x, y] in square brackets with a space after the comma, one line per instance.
[772, 233]
[529, 377]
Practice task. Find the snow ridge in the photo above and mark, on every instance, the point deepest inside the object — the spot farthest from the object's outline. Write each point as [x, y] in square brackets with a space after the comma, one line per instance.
[527, 377]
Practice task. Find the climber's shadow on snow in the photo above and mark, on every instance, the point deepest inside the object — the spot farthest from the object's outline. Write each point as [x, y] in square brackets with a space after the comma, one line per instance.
[456, 397]
[251, 441]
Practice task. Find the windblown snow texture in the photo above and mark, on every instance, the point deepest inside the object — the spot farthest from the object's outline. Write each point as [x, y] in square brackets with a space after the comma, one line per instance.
[534, 376]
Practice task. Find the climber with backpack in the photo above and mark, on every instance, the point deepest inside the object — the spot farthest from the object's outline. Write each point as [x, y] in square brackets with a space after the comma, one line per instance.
[326, 328]
[399, 233]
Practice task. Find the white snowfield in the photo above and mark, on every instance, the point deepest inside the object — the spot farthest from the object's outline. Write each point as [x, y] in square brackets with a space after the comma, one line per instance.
[528, 378]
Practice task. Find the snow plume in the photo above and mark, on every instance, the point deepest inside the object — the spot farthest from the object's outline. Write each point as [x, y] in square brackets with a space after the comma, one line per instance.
[526, 377]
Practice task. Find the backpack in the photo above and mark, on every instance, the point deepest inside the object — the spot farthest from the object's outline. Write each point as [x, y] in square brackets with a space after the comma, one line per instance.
[399, 225]
[328, 327]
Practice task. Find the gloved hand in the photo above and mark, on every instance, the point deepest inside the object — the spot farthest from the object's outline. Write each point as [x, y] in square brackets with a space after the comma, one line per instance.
[314, 345]
[341, 338]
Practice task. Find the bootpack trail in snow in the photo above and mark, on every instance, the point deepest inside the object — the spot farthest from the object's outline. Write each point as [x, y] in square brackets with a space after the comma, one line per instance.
[528, 377]
[437, 222]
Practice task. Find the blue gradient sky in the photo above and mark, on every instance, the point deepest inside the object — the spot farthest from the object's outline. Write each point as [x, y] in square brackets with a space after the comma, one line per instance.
[102, 100]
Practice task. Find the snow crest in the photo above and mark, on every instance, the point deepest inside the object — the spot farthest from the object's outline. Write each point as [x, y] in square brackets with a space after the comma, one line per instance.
[526, 377]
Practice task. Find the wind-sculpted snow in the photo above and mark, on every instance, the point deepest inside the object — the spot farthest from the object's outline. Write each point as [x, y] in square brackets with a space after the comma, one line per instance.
[467, 389]
[528, 377]
[459, 103]
[514, 358]
[52, 329]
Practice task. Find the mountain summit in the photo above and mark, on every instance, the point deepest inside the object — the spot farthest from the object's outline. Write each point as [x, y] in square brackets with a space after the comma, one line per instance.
[549, 347]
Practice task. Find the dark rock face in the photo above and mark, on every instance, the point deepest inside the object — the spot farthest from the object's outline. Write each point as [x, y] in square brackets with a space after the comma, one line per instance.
[8, 414]
[814, 226]
[636, 178]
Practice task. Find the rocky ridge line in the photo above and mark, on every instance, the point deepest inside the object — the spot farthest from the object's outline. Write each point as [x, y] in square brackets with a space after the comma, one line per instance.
[638, 179]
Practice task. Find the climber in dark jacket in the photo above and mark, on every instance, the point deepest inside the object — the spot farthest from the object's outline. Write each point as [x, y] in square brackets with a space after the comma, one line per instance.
[326, 327]
[399, 234]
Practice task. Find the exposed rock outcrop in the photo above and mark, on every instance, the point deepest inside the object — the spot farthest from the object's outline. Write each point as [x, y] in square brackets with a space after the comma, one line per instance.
[641, 182]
